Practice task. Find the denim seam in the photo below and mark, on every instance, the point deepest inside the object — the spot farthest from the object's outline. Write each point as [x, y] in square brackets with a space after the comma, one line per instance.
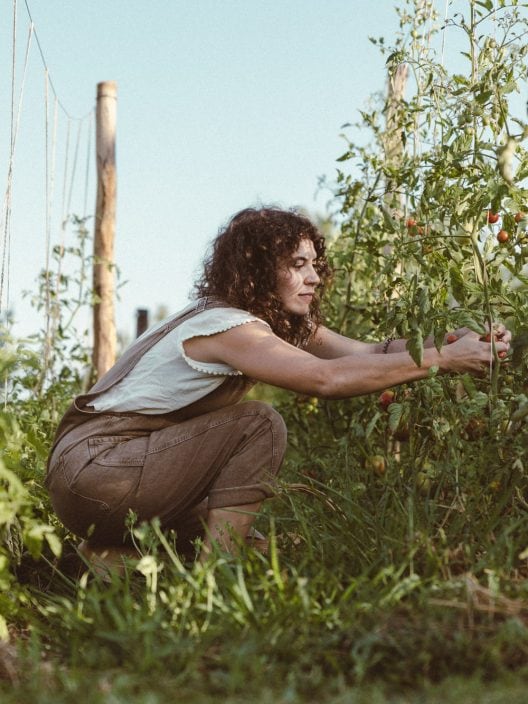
[217, 424]
[237, 488]
[125, 461]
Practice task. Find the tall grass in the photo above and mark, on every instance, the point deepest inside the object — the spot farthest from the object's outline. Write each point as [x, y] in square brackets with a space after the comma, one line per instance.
[368, 578]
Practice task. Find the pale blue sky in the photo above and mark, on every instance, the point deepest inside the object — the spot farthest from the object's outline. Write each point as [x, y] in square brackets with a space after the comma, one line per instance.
[221, 104]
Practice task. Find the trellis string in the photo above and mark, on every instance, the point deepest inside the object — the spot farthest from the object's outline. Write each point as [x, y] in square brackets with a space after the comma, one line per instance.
[6, 207]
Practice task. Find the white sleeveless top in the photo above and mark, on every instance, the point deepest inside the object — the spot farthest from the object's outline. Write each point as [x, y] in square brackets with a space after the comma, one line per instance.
[165, 378]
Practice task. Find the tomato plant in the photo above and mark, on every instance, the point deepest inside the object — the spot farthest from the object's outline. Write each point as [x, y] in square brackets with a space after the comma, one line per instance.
[428, 181]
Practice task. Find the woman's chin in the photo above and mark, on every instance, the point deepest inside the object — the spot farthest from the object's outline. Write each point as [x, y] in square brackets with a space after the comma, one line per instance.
[300, 310]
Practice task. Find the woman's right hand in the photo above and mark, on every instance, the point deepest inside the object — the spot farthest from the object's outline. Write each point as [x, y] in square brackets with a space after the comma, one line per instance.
[470, 354]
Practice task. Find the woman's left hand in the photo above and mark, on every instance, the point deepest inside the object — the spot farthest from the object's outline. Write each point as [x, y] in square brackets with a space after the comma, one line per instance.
[500, 331]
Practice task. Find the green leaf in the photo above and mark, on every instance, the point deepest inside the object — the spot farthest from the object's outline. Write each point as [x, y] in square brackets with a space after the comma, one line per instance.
[54, 542]
[469, 385]
[423, 300]
[4, 632]
[395, 411]
[372, 424]
[466, 320]
[439, 335]
[415, 346]
[390, 223]
[456, 281]
[482, 98]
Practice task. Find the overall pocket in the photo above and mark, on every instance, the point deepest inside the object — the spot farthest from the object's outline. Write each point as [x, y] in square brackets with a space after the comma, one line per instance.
[118, 450]
[76, 510]
[99, 479]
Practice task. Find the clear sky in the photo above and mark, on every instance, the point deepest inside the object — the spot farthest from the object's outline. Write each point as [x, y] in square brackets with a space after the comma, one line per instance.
[221, 104]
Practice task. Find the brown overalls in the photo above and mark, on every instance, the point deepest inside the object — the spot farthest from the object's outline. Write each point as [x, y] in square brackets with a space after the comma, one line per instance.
[102, 465]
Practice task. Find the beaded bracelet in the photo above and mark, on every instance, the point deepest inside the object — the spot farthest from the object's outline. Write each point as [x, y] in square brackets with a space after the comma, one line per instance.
[387, 342]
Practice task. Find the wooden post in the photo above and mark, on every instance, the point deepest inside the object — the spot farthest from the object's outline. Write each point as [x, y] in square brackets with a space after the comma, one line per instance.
[142, 320]
[104, 348]
[392, 138]
[394, 149]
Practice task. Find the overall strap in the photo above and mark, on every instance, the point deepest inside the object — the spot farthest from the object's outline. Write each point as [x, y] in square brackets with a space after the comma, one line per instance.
[80, 410]
[137, 349]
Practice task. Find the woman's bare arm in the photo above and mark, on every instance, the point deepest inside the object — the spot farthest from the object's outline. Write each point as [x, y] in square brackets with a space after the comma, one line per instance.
[255, 351]
[328, 344]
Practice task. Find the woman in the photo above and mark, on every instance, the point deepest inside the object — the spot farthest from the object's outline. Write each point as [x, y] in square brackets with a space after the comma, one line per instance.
[162, 433]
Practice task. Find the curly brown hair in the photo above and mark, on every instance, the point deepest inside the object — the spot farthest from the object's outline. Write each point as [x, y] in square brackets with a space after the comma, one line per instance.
[241, 268]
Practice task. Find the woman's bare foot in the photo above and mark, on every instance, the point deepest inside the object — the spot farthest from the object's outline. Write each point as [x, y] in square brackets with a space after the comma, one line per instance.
[106, 561]
[226, 526]
[257, 541]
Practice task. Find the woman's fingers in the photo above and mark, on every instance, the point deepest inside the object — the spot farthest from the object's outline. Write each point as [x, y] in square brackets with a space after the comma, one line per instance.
[474, 354]
[500, 332]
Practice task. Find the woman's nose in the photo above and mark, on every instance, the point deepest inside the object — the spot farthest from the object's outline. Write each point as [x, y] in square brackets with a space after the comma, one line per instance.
[312, 276]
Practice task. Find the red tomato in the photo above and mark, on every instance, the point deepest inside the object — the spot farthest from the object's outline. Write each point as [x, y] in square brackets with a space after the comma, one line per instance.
[503, 237]
[386, 398]
[493, 217]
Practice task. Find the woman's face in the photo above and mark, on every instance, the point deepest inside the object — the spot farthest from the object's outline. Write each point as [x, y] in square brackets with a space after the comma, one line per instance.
[297, 279]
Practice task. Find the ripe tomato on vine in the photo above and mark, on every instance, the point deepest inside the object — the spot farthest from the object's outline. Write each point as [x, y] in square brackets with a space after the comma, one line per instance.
[493, 217]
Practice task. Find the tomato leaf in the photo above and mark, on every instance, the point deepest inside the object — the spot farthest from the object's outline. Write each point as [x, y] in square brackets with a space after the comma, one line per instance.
[456, 281]
[466, 320]
[395, 411]
[469, 385]
[370, 427]
[415, 346]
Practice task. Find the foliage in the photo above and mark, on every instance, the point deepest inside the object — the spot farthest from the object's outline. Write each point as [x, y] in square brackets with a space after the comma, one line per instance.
[399, 539]
[417, 256]
[40, 376]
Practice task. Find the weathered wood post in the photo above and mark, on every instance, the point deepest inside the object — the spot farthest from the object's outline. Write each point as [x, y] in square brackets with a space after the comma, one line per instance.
[142, 320]
[394, 150]
[392, 138]
[104, 348]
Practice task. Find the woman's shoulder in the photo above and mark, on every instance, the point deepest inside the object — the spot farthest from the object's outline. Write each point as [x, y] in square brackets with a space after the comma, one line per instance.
[216, 318]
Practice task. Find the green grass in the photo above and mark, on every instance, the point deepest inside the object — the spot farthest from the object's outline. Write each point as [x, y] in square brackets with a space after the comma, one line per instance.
[352, 595]
[116, 687]
[377, 587]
